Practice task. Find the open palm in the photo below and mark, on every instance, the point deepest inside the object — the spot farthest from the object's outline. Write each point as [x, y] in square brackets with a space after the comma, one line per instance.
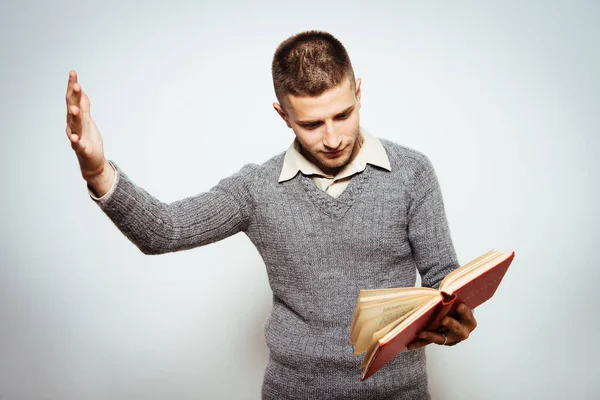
[82, 131]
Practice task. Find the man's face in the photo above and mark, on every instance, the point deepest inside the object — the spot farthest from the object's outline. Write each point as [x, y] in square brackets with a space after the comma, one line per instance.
[326, 126]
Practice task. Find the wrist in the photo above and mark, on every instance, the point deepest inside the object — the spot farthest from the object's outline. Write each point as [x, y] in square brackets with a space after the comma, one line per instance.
[101, 182]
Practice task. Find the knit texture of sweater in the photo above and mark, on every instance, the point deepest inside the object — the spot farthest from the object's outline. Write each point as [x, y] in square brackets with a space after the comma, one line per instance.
[319, 252]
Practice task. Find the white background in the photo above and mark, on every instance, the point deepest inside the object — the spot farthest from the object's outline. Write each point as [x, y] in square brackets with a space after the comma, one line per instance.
[503, 96]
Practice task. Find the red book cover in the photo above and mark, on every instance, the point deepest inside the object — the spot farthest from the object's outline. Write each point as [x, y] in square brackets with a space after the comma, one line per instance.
[473, 293]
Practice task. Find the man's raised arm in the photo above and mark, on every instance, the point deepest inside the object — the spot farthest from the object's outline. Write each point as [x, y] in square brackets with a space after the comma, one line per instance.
[153, 226]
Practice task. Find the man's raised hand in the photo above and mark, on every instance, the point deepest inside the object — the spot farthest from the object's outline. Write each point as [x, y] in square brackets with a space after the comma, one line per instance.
[85, 138]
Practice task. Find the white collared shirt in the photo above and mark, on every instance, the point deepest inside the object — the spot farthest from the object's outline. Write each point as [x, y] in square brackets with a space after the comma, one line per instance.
[371, 152]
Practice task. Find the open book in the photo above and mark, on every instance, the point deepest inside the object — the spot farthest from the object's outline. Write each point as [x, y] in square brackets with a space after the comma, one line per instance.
[387, 320]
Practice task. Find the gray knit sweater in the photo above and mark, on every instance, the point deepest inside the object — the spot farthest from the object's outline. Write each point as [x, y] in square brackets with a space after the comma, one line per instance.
[319, 252]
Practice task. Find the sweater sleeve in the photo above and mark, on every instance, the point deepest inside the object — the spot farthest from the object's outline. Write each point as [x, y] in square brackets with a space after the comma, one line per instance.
[428, 230]
[156, 227]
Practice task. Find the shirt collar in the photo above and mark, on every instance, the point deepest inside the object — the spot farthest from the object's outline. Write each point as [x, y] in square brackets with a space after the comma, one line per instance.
[371, 152]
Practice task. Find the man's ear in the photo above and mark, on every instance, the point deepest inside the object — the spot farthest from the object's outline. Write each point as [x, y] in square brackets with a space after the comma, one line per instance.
[282, 113]
[358, 91]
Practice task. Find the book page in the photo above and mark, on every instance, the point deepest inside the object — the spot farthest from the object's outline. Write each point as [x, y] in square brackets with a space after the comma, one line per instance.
[369, 354]
[370, 330]
[376, 295]
[371, 334]
[412, 317]
[462, 268]
[470, 271]
[370, 310]
[388, 332]
[376, 339]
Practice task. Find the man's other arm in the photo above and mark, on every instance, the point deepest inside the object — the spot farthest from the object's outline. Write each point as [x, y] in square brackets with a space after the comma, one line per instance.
[428, 230]
[434, 254]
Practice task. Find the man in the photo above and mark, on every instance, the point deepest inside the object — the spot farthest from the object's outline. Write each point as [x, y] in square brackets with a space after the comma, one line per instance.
[339, 211]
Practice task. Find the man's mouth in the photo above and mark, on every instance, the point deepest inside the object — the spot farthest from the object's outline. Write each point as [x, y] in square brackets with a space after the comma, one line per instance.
[334, 153]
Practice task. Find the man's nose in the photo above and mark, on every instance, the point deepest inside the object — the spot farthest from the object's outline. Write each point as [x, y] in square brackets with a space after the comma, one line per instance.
[332, 138]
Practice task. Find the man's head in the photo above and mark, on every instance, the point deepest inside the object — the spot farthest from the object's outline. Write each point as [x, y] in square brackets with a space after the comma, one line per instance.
[319, 97]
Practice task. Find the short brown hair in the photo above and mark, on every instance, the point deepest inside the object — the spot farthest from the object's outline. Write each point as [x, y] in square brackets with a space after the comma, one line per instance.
[308, 64]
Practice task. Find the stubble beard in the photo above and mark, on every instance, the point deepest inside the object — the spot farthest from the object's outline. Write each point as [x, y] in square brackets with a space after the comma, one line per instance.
[334, 165]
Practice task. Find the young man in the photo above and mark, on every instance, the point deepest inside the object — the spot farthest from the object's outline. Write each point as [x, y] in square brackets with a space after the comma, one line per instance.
[339, 211]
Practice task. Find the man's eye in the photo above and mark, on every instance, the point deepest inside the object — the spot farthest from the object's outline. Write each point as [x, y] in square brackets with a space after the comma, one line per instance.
[311, 127]
[343, 116]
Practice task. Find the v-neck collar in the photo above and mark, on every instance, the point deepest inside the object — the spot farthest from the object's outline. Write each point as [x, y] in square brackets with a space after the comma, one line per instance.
[335, 207]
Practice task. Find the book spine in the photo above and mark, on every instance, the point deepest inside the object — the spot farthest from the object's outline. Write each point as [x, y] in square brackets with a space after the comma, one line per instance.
[445, 308]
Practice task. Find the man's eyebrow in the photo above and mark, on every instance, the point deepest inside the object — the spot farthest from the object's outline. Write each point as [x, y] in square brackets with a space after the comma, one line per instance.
[346, 111]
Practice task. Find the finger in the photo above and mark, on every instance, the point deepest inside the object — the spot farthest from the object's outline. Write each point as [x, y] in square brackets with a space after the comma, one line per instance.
[418, 344]
[466, 316]
[73, 97]
[75, 110]
[73, 135]
[74, 120]
[76, 95]
[458, 330]
[71, 82]
[74, 139]
[432, 337]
